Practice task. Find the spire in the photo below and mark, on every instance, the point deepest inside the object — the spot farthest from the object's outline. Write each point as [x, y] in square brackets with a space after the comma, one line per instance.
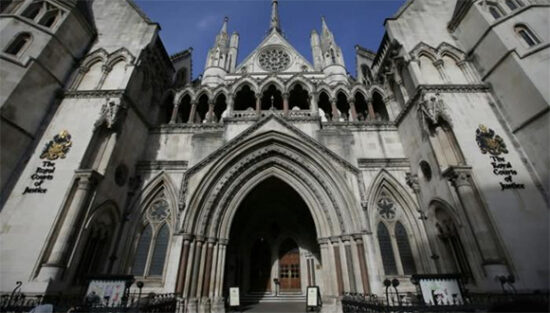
[275, 24]
[224, 26]
[324, 24]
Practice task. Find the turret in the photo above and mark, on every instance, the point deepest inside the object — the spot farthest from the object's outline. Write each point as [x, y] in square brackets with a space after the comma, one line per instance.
[220, 57]
[316, 50]
[332, 59]
[233, 50]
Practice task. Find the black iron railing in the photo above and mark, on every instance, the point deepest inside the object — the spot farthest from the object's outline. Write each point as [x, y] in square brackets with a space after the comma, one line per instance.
[135, 302]
[518, 302]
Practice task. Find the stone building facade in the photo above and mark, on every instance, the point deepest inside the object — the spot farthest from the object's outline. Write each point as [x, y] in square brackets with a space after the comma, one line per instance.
[434, 159]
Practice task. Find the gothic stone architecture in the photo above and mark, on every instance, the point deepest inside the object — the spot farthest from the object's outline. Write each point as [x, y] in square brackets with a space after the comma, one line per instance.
[434, 159]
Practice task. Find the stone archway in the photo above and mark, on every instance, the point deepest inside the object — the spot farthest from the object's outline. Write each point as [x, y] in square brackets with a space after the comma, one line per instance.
[213, 191]
[272, 241]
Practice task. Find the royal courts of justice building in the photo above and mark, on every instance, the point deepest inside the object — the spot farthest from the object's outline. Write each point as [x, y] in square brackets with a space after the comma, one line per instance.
[277, 172]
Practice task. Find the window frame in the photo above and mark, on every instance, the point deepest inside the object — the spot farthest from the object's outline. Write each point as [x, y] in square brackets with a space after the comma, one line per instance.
[17, 38]
[521, 29]
[390, 225]
[155, 226]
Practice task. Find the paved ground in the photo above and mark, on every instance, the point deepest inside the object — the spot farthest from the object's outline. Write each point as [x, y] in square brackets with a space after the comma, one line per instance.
[273, 308]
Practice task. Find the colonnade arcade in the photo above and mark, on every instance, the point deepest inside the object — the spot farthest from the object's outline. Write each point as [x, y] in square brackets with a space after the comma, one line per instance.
[297, 99]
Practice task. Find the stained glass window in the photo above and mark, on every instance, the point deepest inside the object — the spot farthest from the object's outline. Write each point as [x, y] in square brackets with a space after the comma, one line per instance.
[140, 259]
[407, 259]
[388, 258]
[159, 254]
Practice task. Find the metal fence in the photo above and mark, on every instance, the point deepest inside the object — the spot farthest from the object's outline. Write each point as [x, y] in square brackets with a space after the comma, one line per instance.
[518, 302]
[63, 303]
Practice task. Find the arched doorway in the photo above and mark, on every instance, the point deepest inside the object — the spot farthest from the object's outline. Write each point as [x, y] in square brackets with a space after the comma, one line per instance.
[272, 241]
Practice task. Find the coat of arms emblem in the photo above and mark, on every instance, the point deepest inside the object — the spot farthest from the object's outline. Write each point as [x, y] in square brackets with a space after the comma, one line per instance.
[489, 142]
[58, 147]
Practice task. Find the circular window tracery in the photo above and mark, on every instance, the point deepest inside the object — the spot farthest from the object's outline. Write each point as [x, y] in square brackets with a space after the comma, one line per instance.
[159, 210]
[274, 59]
[386, 207]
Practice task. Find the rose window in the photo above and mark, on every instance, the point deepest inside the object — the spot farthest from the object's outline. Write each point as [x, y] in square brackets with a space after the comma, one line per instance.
[274, 60]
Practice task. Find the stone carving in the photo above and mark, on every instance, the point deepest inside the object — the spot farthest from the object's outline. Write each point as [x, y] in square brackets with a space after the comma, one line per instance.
[489, 142]
[433, 110]
[110, 113]
[58, 147]
[274, 59]
[159, 210]
[386, 207]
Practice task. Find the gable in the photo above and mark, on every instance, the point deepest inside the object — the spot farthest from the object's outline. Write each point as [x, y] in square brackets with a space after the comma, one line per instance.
[274, 41]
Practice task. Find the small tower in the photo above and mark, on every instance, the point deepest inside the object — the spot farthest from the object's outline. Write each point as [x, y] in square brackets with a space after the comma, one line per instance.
[316, 50]
[221, 58]
[331, 58]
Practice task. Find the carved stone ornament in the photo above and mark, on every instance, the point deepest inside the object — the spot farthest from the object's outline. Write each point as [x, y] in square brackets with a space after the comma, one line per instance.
[110, 113]
[489, 142]
[274, 59]
[58, 147]
[432, 111]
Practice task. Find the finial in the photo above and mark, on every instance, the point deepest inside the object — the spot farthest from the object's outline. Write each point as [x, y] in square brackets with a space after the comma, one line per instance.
[274, 23]
[224, 25]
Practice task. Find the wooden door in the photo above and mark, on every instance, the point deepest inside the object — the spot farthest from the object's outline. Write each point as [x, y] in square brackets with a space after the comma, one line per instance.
[289, 266]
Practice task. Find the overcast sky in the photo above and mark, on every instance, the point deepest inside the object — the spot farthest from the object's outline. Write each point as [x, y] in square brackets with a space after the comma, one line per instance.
[195, 23]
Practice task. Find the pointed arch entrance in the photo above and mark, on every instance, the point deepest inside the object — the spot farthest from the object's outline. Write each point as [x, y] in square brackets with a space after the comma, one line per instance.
[272, 239]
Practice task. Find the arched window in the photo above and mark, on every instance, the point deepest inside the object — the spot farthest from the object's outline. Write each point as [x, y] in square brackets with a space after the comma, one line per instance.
[140, 259]
[380, 111]
[159, 252]
[396, 251]
[527, 35]
[495, 11]
[49, 18]
[386, 249]
[9, 6]
[32, 11]
[19, 44]
[511, 4]
[150, 253]
[405, 252]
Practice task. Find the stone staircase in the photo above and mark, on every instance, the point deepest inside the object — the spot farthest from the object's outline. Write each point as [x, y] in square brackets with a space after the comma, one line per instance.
[272, 298]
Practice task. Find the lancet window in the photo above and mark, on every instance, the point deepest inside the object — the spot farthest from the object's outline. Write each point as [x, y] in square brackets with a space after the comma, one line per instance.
[393, 238]
[152, 245]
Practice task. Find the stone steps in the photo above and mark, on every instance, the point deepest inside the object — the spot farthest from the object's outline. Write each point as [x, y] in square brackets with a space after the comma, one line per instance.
[271, 298]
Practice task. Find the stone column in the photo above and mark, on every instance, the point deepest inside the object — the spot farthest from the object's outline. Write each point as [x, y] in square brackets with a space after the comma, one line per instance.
[349, 262]
[196, 267]
[222, 246]
[328, 272]
[470, 77]
[403, 90]
[210, 113]
[490, 248]
[370, 108]
[338, 265]
[335, 113]
[358, 238]
[183, 263]
[191, 119]
[213, 269]
[353, 116]
[208, 268]
[175, 110]
[258, 104]
[69, 225]
[230, 104]
[285, 104]
[189, 270]
[440, 68]
[416, 73]
[314, 107]
[201, 271]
